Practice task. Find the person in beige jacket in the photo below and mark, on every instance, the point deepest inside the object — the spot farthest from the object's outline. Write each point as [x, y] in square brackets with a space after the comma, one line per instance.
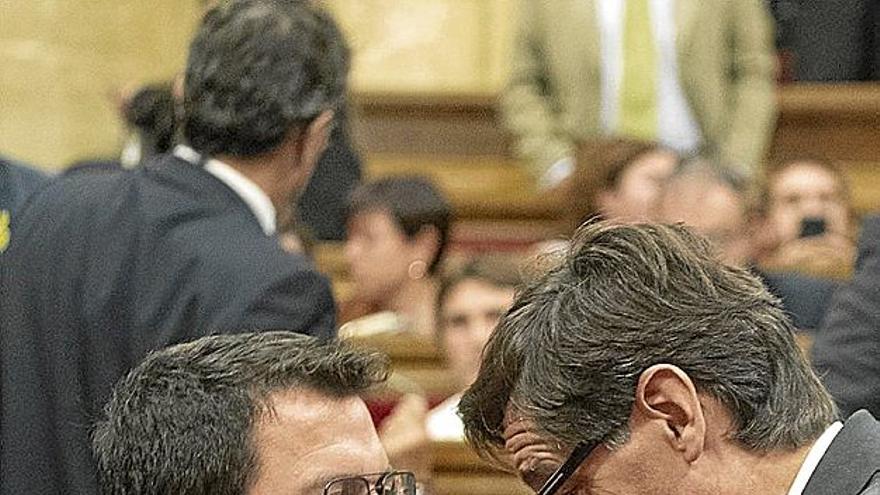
[708, 65]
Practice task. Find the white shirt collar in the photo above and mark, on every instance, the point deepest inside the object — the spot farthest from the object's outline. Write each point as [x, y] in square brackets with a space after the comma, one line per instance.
[814, 456]
[246, 189]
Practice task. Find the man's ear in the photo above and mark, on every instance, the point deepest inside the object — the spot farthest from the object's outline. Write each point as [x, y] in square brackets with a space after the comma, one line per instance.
[315, 138]
[665, 393]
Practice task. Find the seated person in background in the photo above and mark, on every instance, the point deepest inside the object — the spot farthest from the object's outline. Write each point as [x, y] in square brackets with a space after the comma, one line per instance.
[468, 307]
[263, 414]
[398, 228]
[17, 182]
[632, 183]
[846, 352]
[714, 201]
[469, 303]
[641, 364]
[807, 219]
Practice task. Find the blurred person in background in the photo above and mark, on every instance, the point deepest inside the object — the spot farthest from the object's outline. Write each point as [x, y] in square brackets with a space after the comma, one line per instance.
[807, 219]
[717, 203]
[631, 186]
[846, 350]
[469, 304]
[692, 76]
[714, 201]
[398, 230]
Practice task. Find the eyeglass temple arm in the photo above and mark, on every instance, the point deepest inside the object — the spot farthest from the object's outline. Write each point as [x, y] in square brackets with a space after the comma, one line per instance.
[580, 452]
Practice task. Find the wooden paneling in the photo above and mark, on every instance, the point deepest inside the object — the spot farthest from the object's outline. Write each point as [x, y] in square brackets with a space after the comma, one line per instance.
[459, 471]
[437, 46]
[61, 59]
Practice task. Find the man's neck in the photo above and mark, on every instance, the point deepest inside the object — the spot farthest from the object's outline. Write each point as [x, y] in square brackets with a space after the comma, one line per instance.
[264, 172]
[747, 472]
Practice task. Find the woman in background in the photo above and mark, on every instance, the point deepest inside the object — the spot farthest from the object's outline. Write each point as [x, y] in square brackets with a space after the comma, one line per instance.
[398, 229]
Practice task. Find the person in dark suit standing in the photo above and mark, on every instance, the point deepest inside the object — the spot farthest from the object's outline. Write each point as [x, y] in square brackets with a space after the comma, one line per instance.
[639, 363]
[846, 351]
[107, 267]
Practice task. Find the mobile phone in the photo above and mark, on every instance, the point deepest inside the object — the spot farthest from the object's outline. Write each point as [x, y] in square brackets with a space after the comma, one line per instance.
[811, 227]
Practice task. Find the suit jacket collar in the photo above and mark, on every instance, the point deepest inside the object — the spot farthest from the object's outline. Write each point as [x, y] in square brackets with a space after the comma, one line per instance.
[851, 460]
[209, 191]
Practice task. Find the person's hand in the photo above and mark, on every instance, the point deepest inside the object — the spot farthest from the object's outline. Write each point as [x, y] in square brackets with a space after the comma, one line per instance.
[532, 455]
[404, 435]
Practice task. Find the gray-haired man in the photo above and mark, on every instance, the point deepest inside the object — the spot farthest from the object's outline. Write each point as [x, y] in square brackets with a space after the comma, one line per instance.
[640, 364]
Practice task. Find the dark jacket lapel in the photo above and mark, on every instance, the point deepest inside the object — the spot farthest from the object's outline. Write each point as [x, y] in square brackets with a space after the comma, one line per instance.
[851, 461]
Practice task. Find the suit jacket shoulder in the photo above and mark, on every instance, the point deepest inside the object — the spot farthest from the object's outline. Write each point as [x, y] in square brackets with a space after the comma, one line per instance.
[851, 465]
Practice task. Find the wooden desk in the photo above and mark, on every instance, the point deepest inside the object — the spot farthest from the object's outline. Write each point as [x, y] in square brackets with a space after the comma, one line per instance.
[459, 471]
[415, 357]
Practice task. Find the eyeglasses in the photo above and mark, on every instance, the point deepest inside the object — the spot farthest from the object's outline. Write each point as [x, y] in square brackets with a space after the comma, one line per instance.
[568, 468]
[388, 483]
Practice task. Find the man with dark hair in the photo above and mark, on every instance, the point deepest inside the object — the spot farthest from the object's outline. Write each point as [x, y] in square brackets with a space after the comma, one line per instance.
[655, 368]
[267, 413]
[107, 267]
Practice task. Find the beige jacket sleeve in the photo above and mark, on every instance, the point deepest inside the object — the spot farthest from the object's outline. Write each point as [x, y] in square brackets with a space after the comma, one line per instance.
[753, 118]
[529, 109]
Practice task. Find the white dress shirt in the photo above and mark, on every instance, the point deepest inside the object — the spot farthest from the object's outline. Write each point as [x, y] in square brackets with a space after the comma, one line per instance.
[676, 126]
[443, 422]
[246, 189]
[814, 456]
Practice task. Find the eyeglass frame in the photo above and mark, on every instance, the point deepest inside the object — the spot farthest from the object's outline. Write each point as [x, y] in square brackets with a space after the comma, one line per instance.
[381, 477]
[581, 451]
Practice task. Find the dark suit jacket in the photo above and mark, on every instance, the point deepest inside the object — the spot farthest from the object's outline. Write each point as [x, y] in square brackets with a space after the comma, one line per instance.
[836, 40]
[107, 267]
[17, 182]
[323, 206]
[805, 299]
[851, 465]
[846, 350]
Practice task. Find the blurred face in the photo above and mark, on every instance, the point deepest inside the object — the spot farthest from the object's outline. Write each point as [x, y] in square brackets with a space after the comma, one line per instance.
[470, 311]
[712, 210]
[379, 255]
[311, 438]
[635, 197]
[806, 190]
